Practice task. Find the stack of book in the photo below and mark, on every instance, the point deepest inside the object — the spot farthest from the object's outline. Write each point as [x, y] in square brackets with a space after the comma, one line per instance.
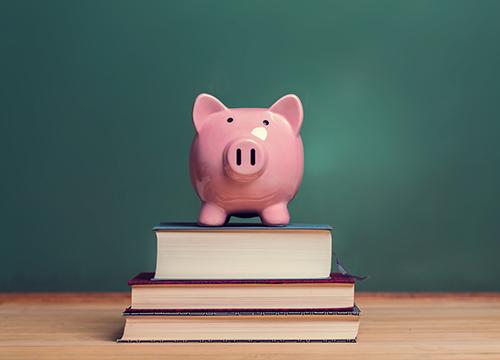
[242, 283]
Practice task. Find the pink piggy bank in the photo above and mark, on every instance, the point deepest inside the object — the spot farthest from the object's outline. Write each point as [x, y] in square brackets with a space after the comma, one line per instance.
[246, 162]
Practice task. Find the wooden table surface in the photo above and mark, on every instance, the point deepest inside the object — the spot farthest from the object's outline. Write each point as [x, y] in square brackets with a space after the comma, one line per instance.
[393, 326]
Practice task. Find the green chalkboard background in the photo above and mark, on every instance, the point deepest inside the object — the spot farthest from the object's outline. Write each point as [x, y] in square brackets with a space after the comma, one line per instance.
[401, 131]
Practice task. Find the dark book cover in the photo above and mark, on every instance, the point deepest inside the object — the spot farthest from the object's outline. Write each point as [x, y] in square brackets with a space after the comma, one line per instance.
[187, 226]
[242, 341]
[354, 311]
[147, 278]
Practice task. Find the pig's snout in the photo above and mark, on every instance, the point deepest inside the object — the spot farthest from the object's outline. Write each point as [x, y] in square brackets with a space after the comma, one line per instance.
[244, 159]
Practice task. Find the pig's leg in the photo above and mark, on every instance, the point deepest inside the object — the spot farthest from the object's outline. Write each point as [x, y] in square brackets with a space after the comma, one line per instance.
[212, 215]
[276, 214]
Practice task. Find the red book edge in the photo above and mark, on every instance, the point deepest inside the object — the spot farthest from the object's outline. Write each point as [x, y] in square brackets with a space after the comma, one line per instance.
[147, 278]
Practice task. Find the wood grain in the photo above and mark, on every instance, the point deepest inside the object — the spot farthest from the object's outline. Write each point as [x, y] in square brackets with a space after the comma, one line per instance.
[393, 326]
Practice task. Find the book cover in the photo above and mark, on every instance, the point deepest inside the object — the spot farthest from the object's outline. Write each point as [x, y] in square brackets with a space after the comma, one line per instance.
[189, 226]
[147, 278]
[354, 311]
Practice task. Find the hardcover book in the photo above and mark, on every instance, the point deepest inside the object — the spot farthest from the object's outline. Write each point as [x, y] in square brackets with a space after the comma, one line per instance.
[241, 251]
[241, 326]
[334, 292]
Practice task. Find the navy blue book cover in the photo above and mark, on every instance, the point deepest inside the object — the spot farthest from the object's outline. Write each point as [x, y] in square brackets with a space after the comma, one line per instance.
[166, 226]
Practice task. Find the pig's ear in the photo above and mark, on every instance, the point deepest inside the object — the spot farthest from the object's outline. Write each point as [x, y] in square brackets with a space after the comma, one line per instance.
[290, 107]
[205, 105]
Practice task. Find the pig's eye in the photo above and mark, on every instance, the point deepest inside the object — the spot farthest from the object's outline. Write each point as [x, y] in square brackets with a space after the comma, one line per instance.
[265, 122]
[230, 120]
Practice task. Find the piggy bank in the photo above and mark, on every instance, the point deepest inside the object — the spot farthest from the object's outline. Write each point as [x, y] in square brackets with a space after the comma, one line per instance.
[246, 162]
